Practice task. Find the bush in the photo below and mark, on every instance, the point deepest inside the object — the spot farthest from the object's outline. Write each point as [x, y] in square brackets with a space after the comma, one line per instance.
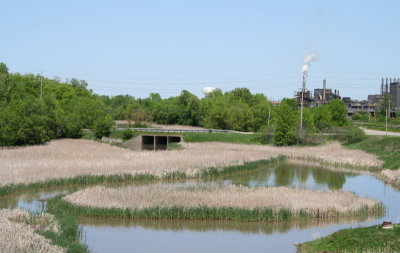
[361, 116]
[285, 123]
[102, 126]
[140, 125]
[349, 135]
[127, 134]
[266, 135]
[309, 138]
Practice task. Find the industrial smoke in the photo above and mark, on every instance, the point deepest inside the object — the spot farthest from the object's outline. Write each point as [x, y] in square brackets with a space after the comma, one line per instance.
[306, 66]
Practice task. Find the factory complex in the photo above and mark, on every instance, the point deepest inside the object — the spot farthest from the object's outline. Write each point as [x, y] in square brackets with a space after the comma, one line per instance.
[389, 89]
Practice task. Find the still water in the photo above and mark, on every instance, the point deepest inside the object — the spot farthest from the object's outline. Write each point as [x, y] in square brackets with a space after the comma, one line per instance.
[225, 236]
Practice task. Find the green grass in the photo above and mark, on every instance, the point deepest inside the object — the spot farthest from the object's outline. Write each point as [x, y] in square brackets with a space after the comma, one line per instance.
[70, 233]
[369, 239]
[200, 213]
[222, 137]
[387, 148]
[182, 213]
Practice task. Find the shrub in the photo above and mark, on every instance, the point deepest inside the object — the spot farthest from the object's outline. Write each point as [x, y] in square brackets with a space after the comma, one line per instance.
[361, 116]
[285, 125]
[140, 125]
[127, 134]
[102, 126]
[349, 134]
[266, 135]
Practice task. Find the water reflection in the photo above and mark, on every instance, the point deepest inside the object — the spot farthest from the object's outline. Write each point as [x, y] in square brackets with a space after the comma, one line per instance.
[34, 200]
[105, 235]
[290, 175]
[208, 226]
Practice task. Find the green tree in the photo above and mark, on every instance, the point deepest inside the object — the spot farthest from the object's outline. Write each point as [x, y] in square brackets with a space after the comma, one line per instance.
[339, 112]
[387, 99]
[103, 126]
[5, 87]
[285, 121]
[24, 122]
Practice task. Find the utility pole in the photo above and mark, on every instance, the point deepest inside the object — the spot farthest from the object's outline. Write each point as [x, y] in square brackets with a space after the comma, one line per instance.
[369, 113]
[387, 115]
[302, 104]
[386, 120]
[269, 113]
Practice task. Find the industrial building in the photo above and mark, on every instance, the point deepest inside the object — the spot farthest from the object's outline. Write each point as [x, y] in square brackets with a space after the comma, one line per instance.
[395, 93]
[390, 86]
[321, 96]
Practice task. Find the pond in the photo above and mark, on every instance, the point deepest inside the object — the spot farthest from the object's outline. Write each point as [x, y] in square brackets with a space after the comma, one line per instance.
[105, 235]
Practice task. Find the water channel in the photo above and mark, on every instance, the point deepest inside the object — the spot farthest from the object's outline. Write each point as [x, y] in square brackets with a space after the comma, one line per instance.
[105, 235]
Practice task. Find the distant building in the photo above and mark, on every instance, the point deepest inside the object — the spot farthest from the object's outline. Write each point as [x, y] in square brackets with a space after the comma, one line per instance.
[321, 96]
[371, 105]
[395, 93]
[375, 99]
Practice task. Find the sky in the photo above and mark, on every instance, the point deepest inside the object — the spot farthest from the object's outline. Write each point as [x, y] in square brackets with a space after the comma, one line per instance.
[140, 47]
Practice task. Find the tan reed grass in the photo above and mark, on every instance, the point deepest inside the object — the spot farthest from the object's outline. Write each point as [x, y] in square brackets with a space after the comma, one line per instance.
[391, 177]
[17, 234]
[68, 158]
[314, 203]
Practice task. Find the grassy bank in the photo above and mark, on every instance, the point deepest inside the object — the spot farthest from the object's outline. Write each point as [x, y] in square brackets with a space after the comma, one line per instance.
[218, 202]
[70, 234]
[385, 147]
[199, 213]
[175, 212]
[222, 137]
[370, 239]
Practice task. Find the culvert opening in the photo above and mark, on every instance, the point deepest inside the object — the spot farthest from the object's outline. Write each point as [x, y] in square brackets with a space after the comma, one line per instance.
[158, 142]
[147, 142]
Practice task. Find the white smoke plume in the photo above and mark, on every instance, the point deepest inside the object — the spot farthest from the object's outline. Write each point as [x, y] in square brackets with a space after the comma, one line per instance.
[306, 66]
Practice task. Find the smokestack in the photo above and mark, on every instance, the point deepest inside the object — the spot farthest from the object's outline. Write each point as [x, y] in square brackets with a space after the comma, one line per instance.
[386, 86]
[383, 83]
[324, 91]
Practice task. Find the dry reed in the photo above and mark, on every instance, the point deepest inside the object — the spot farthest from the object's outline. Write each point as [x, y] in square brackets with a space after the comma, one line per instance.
[18, 235]
[68, 158]
[313, 203]
[391, 176]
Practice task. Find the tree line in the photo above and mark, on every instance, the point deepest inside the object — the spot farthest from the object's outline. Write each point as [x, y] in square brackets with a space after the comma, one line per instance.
[35, 109]
[29, 115]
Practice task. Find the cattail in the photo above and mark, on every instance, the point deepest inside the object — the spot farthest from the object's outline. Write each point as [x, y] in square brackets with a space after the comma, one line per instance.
[191, 201]
[69, 158]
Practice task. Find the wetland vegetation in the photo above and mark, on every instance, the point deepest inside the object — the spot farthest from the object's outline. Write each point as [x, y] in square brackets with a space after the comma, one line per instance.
[369, 239]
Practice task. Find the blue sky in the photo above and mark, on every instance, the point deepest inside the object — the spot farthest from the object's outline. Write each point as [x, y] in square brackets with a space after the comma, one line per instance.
[138, 47]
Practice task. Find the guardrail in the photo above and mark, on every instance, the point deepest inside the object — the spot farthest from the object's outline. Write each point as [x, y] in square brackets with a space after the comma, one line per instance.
[167, 130]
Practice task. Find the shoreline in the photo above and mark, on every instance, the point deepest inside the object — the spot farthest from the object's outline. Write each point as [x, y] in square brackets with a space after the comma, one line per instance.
[217, 202]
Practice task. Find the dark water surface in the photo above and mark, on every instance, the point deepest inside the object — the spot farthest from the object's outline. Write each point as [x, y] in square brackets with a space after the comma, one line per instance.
[105, 235]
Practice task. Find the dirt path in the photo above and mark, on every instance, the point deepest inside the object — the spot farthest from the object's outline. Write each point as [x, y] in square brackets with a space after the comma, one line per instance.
[378, 132]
